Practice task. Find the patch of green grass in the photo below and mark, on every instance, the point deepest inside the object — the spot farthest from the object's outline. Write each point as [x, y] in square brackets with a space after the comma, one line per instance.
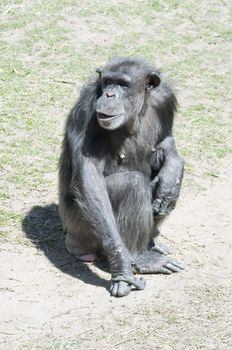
[8, 220]
[227, 34]
[6, 216]
[55, 344]
[41, 46]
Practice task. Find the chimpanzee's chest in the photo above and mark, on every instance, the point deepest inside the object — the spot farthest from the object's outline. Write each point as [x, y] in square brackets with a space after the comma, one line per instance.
[129, 156]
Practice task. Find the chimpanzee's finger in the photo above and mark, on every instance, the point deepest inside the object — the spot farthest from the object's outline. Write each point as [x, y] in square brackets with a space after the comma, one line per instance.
[164, 207]
[156, 206]
[159, 155]
[154, 184]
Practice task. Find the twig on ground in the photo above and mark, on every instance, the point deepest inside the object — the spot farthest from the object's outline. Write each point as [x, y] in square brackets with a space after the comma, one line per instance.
[121, 342]
[64, 81]
[123, 331]
[50, 80]
[6, 333]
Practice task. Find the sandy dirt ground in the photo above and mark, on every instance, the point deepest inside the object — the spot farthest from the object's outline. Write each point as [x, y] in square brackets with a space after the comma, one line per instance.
[49, 300]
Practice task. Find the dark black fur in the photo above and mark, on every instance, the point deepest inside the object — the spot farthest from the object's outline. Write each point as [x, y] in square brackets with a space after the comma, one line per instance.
[120, 172]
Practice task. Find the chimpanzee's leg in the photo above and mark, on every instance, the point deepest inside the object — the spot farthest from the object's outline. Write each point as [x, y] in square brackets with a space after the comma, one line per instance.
[154, 244]
[131, 198]
[80, 240]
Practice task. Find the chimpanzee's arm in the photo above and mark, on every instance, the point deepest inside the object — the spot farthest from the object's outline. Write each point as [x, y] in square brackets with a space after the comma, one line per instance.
[89, 189]
[91, 196]
[169, 169]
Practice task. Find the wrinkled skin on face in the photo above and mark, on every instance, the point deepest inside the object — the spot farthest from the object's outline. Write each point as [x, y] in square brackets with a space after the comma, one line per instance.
[117, 104]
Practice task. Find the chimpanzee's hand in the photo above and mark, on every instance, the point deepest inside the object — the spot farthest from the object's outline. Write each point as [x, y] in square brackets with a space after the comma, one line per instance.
[166, 186]
[123, 280]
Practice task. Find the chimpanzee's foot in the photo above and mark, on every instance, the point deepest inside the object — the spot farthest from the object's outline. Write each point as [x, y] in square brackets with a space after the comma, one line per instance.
[121, 285]
[153, 262]
[159, 247]
[88, 258]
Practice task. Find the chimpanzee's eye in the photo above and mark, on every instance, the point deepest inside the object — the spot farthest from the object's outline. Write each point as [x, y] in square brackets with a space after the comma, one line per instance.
[123, 83]
[115, 81]
[106, 82]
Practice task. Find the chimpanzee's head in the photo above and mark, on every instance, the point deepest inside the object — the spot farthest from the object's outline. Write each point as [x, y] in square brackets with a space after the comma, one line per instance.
[124, 86]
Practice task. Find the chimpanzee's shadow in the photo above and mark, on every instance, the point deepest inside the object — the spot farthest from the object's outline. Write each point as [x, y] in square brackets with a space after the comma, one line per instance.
[43, 227]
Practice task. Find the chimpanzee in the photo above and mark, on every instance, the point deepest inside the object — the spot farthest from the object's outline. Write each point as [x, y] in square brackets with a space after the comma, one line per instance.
[120, 173]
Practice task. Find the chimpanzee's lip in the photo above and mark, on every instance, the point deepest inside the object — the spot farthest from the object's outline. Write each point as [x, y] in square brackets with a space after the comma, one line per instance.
[104, 116]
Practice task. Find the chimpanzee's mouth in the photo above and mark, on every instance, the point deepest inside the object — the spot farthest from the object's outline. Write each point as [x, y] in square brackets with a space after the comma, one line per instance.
[104, 116]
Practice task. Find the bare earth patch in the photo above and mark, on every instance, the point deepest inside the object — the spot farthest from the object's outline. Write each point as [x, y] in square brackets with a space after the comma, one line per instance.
[50, 298]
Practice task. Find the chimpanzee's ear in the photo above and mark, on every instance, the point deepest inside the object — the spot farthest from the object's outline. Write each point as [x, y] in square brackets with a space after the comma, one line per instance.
[153, 81]
[99, 71]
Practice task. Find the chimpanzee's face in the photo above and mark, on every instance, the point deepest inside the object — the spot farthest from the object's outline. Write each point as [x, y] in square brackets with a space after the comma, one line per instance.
[119, 101]
[122, 97]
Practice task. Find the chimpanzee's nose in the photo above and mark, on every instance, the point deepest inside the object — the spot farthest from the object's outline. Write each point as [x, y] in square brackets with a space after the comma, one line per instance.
[110, 94]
